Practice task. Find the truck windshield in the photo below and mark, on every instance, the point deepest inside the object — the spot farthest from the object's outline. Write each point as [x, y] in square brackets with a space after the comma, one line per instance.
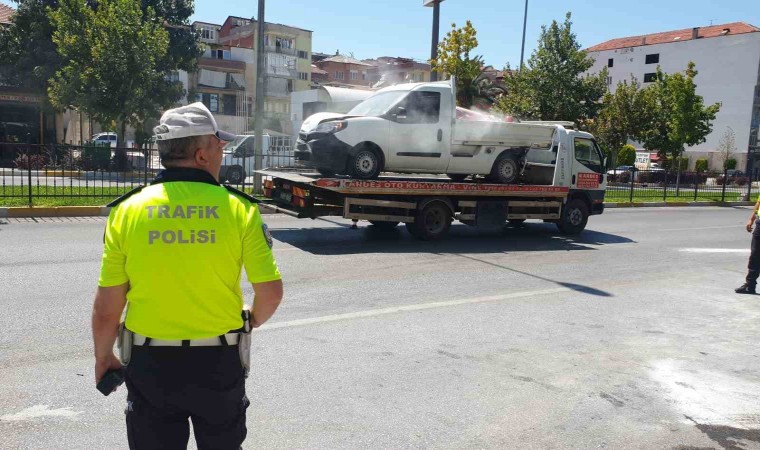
[377, 105]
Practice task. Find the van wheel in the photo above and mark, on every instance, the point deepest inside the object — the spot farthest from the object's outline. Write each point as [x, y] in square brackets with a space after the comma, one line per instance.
[574, 217]
[456, 177]
[384, 224]
[235, 175]
[364, 164]
[505, 170]
[432, 222]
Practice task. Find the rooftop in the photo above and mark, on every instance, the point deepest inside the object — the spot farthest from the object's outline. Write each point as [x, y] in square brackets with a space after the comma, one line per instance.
[712, 31]
[5, 13]
[345, 60]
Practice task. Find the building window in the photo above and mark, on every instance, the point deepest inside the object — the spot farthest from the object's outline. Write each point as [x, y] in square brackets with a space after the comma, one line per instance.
[207, 34]
[610, 62]
[650, 77]
[303, 76]
[338, 75]
[221, 54]
[609, 81]
[290, 86]
[213, 102]
[654, 58]
[364, 75]
[303, 55]
[354, 74]
[172, 77]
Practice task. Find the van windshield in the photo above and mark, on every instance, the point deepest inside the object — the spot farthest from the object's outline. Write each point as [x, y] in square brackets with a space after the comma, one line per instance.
[232, 145]
[377, 105]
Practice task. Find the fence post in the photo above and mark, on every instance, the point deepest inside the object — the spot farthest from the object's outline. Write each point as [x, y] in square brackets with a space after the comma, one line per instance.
[29, 173]
[696, 184]
[665, 188]
[749, 187]
[725, 181]
[633, 174]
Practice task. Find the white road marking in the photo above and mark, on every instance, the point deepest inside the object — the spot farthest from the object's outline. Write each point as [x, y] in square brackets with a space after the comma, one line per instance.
[40, 411]
[707, 397]
[703, 228]
[405, 308]
[714, 250]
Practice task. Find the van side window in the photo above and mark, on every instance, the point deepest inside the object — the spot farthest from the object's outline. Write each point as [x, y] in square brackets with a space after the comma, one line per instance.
[423, 107]
[587, 154]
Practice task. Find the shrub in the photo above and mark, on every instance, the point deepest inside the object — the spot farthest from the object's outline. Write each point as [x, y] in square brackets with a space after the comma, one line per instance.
[741, 181]
[96, 157]
[701, 165]
[626, 155]
[34, 162]
[730, 164]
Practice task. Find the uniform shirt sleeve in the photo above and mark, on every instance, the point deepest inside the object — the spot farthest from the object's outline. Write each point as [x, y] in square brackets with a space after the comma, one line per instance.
[113, 264]
[258, 259]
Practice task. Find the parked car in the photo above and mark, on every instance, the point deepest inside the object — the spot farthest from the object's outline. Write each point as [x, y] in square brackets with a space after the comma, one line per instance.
[105, 138]
[734, 173]
[621, 169]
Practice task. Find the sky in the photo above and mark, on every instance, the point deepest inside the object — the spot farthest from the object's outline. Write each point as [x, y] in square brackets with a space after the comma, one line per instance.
[373, 28]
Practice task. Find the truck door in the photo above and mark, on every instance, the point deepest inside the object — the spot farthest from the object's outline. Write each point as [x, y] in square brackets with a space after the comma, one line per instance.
[420, 131]
[588, 166]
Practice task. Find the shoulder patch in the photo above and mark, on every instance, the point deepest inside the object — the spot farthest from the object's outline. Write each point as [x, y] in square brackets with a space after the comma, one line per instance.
[125, 196]
[267, 235]
[241, 193]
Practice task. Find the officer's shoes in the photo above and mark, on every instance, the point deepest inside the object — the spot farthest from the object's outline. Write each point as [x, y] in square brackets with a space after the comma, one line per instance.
[745, 289]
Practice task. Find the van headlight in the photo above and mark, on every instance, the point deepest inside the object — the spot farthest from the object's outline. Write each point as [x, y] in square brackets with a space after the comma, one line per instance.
[331, 127]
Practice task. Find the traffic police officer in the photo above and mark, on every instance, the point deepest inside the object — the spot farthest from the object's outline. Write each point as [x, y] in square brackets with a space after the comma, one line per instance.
[173, 254]
[753, 267]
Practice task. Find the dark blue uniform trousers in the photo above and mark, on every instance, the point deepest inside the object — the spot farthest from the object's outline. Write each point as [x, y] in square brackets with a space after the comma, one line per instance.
[167, 386]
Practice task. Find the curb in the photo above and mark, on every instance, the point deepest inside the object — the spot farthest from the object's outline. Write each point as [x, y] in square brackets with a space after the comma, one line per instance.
[673, 204]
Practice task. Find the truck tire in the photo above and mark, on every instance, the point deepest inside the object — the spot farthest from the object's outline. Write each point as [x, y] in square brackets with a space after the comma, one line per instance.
[234, 175]
[505, 169]
[364, 164]
[432, 222]
[383, 224]
[457, 177]
[574, 217]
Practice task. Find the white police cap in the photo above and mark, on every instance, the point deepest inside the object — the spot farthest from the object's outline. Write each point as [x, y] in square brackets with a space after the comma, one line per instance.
[189, 120]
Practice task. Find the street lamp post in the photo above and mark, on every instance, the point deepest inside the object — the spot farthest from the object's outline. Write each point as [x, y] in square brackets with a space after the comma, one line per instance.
[436, 4]
[525, 23]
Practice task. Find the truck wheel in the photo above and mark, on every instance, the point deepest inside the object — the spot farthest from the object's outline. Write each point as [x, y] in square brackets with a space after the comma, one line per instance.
[383, 224]
[432, 222]
[505, 170]
[234, 175]
[326, 172]
[456, 177]
[574, 217]
[364, 164]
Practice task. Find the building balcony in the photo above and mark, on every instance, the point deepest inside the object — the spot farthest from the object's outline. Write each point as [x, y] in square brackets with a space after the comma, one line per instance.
[224, 64]
[281, 72]
[280, 50]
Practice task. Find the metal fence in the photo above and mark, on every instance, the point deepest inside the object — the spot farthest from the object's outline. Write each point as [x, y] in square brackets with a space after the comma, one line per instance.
[664, 186]
[95, 174]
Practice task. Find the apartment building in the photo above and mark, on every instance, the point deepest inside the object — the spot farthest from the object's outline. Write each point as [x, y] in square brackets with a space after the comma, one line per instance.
[727, 58]
[387, 71]
[345, 71]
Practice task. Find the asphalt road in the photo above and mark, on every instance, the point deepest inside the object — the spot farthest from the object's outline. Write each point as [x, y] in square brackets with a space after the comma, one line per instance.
[627, 337]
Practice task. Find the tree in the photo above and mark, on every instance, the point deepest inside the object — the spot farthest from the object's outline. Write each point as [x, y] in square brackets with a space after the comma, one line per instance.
[454, 60]
[627, 155]
[726, 147]
[112, 57]
[552, 85]
[485, 92]
[701, 164]
[623, 116]
[678, 116]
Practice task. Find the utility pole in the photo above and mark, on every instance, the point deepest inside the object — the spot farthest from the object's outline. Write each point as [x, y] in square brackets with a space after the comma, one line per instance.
[525, 24]
[436, 4]
[258, 129]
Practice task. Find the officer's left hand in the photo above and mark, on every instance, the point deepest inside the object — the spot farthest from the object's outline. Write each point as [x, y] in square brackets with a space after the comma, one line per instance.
[102, 366]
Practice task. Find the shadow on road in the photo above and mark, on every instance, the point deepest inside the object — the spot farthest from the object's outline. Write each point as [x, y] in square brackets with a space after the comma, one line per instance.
[339, 240]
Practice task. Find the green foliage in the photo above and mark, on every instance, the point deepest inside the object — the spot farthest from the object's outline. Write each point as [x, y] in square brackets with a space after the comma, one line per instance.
[552, 85]
[96, 156]
[28, 55]
[701, 165]
[677, 116]
[730, 164]
[454, 60]
[672, 164]
[626, 155]
[622, 117]
[112, 57]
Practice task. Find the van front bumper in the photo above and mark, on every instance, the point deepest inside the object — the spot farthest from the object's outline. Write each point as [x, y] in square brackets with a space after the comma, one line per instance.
[324, 151]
